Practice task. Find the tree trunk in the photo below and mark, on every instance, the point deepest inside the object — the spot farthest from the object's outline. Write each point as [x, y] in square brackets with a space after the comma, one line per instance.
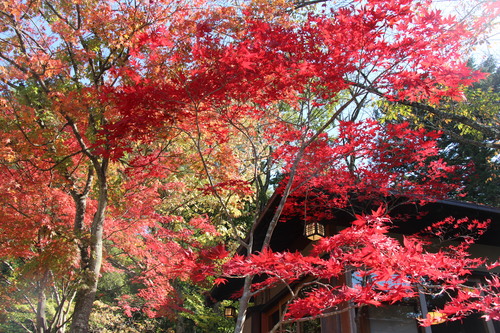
[244, 301]
[180, 326]
[91, 270]
[41, 319]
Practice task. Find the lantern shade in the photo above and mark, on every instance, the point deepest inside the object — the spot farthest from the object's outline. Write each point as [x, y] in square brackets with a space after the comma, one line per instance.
[229, 312]
[314, 230]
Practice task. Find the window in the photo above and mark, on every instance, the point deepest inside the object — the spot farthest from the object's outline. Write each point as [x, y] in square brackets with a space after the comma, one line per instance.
[392, 319]
[471, 324]
[402, 317]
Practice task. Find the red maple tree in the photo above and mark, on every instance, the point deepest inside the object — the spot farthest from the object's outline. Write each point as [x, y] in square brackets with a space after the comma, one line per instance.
[112, 120]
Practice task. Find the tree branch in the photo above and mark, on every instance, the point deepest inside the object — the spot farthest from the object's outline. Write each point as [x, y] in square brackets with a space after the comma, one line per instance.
[491, 132]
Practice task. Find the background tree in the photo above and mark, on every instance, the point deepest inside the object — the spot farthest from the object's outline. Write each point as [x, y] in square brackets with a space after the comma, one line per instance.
[464, 144]
[61, 132]
[56, 59]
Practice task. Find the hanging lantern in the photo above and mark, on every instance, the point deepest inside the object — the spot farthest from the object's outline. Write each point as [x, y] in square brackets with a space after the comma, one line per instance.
[229, 312]
[314, 230]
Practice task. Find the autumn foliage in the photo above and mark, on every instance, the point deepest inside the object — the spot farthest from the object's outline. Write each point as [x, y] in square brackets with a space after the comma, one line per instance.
[139, 136]
[384, 270]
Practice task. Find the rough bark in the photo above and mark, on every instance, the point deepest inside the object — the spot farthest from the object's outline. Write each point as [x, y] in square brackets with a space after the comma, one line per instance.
[86, 294]
[41, 319]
